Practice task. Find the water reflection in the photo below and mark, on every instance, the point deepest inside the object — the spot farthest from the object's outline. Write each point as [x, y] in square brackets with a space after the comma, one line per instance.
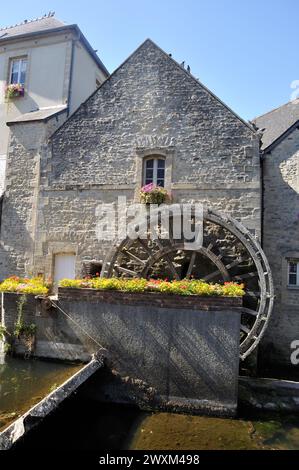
[88, 425]
[23, 383]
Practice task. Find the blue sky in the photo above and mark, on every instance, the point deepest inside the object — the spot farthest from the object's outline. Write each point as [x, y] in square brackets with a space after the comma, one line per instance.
[244, 51]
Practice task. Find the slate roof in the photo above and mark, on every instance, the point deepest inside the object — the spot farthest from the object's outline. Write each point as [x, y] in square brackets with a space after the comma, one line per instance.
[51, 24]
[277, 122]
[32, 26]
[42, 114]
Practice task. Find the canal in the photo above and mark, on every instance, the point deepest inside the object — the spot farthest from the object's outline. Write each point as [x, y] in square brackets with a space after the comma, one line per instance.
[23, 383]
[81, 423]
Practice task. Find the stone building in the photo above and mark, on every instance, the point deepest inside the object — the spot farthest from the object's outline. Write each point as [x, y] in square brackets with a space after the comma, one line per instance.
[149, 106]
[150, 117]
[280, 167]
[55, 67]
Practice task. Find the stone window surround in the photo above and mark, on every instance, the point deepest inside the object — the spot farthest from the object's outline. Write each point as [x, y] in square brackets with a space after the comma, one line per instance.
[20, 54]
[290, 256]
[19, 60]
[165, 152]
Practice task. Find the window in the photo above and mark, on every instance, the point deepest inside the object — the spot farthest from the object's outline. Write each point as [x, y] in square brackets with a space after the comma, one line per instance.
[154, 171]
[293, 273]
[18, 71]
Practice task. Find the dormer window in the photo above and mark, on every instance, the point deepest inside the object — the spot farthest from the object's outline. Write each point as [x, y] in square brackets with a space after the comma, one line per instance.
[154, 171]
[18, 69]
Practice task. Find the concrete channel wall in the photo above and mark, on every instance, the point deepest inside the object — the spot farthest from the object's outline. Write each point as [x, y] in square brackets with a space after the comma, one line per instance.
[183, 351]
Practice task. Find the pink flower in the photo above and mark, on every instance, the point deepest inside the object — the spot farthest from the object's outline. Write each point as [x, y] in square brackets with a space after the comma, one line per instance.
[148, 188]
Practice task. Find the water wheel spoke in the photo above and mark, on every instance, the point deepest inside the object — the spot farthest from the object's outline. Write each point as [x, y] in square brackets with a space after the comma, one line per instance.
[241, 277]
[235, 263]
[120, 269]
[212, 275]
[191, 264]
[135, 258]
[245, 329]
[249, 311]
[171, 267]
[143, 244]
[250, 293]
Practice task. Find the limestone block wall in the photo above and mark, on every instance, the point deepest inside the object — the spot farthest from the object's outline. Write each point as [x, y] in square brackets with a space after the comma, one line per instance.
[281, 242]
[22, 189]
[150, 105]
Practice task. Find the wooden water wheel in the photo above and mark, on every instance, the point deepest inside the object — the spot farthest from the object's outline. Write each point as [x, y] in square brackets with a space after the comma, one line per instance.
[229, 253]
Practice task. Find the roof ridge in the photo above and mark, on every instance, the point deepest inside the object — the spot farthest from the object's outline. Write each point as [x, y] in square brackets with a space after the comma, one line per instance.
[46, 15]
[211, 93]
[148, 40]
[275, 109]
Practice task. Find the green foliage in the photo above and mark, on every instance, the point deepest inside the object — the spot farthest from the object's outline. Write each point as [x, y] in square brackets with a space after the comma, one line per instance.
[22, 328]
[151, 194]
[3, 332]
[14, 90]
[184, 287]
[7, 348]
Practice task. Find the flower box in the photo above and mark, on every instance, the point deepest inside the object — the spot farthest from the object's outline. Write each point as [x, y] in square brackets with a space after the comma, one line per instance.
[151, 194]
[14, 90]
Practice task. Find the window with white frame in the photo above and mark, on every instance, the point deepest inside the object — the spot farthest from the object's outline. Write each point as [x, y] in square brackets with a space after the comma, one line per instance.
[18, 69]
[293, 273]
[154, 171]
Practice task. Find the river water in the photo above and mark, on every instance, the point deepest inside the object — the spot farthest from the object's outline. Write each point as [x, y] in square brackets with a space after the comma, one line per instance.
[87, 425]
[23, 383]
[84, 424]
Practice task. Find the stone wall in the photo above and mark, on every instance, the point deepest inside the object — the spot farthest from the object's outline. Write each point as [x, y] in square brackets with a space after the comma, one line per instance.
[21, 197]
[149, 105]
[280, 242]
[185, 353]
[56, 337]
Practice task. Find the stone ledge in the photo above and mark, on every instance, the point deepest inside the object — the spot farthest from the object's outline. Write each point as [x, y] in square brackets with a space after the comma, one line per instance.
[192, 302]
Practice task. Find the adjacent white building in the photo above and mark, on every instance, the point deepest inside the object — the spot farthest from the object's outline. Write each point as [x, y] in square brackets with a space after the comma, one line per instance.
[54, 67]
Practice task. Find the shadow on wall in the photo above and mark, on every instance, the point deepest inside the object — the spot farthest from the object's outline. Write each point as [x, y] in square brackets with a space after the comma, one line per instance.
[280, 239]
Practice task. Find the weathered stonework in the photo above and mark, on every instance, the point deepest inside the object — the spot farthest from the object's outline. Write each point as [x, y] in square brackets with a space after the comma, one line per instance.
[149, 105]
[22, 193]
[281, 242]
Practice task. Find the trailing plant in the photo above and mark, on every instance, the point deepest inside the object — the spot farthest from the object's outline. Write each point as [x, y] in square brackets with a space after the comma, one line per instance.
[184, 287]
[3, 332]
[152, 194]
[14, 90]
[22, 328]
[7, 348]
[24, 332]
[35, 286]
